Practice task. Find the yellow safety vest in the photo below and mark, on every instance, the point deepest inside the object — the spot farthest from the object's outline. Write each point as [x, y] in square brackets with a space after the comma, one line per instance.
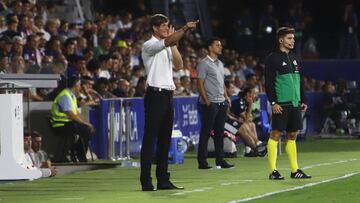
[59, 118]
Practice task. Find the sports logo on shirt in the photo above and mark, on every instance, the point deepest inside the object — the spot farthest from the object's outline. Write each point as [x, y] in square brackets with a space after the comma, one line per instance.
[283, 63]
[295, 63]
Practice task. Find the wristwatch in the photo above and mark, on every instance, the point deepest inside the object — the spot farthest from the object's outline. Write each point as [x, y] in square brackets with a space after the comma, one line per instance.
[273, 103]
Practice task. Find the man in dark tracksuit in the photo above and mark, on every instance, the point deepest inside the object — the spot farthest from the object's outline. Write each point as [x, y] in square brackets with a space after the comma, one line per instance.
[284, 91]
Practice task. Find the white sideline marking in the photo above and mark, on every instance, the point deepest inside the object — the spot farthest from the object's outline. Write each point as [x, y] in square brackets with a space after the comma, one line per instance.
[324, 164]
[69, 198]
[294, 188]
[237, 182]
[330, 163]
[191, 191]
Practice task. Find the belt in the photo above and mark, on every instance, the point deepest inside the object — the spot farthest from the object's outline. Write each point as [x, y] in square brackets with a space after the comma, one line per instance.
[158, 89]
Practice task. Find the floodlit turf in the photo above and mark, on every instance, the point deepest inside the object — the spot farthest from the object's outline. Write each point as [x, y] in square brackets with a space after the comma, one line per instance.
[323, 159]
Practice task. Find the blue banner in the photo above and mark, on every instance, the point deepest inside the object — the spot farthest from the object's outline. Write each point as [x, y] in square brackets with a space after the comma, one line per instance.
[186, 119]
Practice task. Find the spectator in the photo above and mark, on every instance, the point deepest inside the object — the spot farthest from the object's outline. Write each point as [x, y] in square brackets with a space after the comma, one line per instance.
[102, 87]
[40, 24]
[29, 163]
[53, 47]
[2, 24]
[17, 65]
[140, 87]
[88, 96]
[230, 87]
[5, 45]
[81, 46]
[73, 31]
[123, 88]
[25, 28]
[105, 66]
[39, 157]
[32, 53]
[137, 72]
[78, 68]
[69, 47]
[69, 124]
[17, 47]
[4, 63]
[52, 27]
[12, 28]
[103, 48]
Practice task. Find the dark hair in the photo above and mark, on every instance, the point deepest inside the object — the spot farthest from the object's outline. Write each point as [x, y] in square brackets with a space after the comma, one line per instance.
[227, 83]
[103, 58]
[246, 90]
[283, 31]
[27, 133]
[158, 19]
[210, 41]
[249, 76]
[93, 65]
[102, 80]
[35, 134]
[72, 81]
[184, 77]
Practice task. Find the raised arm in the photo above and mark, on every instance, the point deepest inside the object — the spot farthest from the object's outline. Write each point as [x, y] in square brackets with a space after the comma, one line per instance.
[172, 40]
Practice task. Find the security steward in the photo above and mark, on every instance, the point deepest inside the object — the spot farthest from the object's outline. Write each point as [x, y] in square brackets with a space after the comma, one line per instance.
[68, 123]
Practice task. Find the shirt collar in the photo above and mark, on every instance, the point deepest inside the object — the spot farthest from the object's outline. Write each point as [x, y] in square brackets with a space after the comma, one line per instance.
[71, 92]
[211, 59]
[153, 37]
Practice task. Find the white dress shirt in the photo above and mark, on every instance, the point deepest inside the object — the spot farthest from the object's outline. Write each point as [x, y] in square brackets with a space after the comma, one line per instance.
[158, 64]
[29, 164]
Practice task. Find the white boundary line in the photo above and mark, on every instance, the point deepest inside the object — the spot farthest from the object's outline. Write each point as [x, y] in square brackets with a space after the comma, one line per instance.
[324, 164]
[69, 198]
[238, 182]
[294, 188]
[330, 163]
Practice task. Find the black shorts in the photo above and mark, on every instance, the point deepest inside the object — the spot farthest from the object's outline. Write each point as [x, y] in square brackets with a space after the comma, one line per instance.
[290, 119]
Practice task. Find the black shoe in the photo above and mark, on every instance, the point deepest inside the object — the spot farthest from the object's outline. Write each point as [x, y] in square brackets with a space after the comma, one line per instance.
[251, 154]
[261, 151]
[275, 175]
[299, 174]
[224, 164]
[147, 187]
[205, 167]
[168, 186]
[146, 184]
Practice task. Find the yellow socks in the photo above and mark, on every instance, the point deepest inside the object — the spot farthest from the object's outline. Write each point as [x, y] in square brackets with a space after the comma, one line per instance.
[290, 148]
[272, 153]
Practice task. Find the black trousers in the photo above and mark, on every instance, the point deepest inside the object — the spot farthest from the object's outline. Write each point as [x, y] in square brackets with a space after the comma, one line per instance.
[159, 116]
[212, 118]
[69, 142]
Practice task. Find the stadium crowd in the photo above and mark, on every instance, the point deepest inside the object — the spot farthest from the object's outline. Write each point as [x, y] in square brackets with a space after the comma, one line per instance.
[105, 53]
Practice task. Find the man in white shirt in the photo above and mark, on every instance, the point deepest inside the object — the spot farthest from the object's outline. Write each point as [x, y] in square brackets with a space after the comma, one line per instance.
[160, 55]
[29, 163]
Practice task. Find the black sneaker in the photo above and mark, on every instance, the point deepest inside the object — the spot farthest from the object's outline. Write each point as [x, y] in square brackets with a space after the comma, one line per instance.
[205, 167]
[299, 174]
[224, 164]
[251, 154]
[261, 151]
[275, 175]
